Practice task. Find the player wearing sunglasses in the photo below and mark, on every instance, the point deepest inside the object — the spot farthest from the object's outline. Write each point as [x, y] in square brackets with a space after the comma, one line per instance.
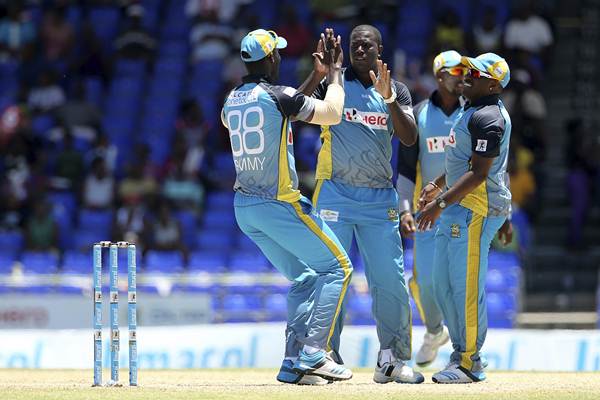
[472, 201]
[417, 165]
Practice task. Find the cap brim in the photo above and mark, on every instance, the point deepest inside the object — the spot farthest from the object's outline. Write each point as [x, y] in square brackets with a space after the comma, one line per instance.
[281, 43]
[473, 63]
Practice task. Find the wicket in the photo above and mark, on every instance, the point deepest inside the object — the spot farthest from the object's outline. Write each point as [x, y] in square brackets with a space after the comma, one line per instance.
[114, 311]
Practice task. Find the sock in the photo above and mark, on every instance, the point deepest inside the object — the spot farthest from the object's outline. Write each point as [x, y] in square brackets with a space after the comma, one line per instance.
[310, 350]
[385, 356]
[292, 359]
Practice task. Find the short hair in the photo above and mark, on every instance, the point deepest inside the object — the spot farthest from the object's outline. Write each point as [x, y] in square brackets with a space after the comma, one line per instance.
[368, 28]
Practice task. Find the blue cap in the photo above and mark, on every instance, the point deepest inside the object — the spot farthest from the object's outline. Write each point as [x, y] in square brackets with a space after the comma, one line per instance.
[492, 65]
[259, 43]
[450, 58]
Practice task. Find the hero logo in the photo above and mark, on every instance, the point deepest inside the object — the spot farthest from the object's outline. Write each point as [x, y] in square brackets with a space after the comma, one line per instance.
[371, 119]
[437, 144]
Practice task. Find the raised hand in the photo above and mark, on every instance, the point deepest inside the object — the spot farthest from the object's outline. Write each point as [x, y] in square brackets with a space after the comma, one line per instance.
[382, 82]
[319, 66]
[332, 47]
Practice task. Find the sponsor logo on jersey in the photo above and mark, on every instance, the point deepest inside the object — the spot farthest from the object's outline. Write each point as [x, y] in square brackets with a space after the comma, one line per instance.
[481, 145]
[240, 98]
[373, 120]
[437, 144]
[392, 214]
[455, 230]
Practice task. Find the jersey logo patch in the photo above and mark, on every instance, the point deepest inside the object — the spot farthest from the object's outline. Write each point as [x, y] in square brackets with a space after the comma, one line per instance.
[373, 120]
[455, 231]
[392, 214]
[481, 145]
[437, 144]
[290, 91]
[329, 215]
[240, 98]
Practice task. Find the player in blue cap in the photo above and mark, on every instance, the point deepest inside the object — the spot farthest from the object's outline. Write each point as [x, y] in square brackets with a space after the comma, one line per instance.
[472, 201]
[417, 165]
[270, 209]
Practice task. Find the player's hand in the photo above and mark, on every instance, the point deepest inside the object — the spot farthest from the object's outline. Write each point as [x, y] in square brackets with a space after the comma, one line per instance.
[427, 217]
[427, 195]
[332, 47]
[407, 225]
[319, 67]
[505, 233]
[382, 82]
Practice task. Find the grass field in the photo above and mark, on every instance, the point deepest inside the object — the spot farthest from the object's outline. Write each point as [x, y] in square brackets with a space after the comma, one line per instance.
[261, 384]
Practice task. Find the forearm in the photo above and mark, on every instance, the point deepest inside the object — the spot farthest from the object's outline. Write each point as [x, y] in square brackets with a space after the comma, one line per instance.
[440, 181]
[405, 128]
[311, 83]
[463, 186]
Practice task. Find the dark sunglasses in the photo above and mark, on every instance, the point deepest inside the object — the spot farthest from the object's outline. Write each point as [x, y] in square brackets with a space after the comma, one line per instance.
[475, 73]
[456, 71]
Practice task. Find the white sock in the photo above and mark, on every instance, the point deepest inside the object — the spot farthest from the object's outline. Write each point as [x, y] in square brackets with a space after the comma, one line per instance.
[385, 356]
[310, 350]
[291, 358]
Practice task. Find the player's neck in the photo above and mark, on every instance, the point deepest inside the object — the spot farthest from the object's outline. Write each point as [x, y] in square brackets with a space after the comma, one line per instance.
[447, 101]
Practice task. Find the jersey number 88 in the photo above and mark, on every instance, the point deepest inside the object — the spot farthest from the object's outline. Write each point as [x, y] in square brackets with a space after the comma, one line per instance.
[240, 146]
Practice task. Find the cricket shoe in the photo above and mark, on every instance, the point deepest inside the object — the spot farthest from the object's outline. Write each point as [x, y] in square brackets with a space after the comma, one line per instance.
[288, 375]
[320, 364]
[431, 344]
[454, 373]
[396, 371]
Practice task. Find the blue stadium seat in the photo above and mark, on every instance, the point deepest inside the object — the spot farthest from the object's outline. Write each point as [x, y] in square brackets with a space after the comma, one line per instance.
[244, 243]
[218, 218]
[215, 240]
[240, 308]
[96, 220]
[129, 68]
[6, 262]
[207, 261]
[173, 49]
[11, 242]
[69, 289]
[39, 262]
[359, 309]
[220, 200]
[84, 239]
[502, 281]
[33, 289]
[41, 124]
[288, 72]
[187, 221]
[502, 308]
[105, 21]
[163, 261]
[76, 262]
[503, 260]
[248, 262]
[276, 307]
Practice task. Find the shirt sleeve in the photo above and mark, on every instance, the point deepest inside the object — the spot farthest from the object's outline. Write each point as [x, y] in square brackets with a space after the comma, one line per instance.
[486, 127]
[293, 103]
[404, 99]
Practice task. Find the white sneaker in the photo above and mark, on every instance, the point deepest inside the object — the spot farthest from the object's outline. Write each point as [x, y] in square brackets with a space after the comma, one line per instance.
[312, 380]
[320, 364]
[396, 371]
[431, 344]
[454, 373]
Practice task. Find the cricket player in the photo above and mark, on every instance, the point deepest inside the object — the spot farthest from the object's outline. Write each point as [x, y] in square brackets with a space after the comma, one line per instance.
[268, 206]
[474, 206]
[356, 197]
[423, 162]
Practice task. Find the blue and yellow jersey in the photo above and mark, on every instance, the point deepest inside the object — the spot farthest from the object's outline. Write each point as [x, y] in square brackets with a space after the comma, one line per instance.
[257, 115]
[358, 150]
[425, 160]
[482, 128]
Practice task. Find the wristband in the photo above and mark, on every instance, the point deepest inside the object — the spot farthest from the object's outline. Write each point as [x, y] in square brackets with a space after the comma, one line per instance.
[390, 99]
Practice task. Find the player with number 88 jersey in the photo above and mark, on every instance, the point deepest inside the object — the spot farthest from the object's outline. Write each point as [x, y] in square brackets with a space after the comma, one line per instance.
[269, 207]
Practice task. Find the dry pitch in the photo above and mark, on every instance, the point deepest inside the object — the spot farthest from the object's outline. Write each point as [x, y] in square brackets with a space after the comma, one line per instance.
[261, 384]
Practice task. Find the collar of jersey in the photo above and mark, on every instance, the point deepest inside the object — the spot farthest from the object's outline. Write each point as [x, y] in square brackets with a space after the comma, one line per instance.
[350, 75]
[484, 101]
[435, 102]
[255, 78]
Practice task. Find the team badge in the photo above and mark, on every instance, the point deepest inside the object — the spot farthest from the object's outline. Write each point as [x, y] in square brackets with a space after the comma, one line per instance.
[392, 214]
[455, 230]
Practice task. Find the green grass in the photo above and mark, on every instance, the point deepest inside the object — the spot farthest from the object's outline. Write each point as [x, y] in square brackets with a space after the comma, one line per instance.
[260, 384]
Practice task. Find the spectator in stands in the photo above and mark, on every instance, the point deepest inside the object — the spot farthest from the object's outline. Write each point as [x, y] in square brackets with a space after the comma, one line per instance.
[191, 125]
[522, 181]
[57, 36]
[41, 229]
[583, 168]
[89, 60]
[135, 42]
[129, 224]
[529, 32]
[69, 164]
[298, 35]
[487, 33]
[17, 33]
[210, 38]
[99, 187]
[226, 10]
[47, 95]
[165, 231]
[448, 33]
[104, 149]
[182, 189]
[79, 115]
[138, 186]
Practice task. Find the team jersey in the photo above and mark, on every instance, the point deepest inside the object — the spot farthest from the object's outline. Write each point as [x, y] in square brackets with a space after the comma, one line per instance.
[482, 128]
[358, 150]
[425, 160]
[257, 115]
